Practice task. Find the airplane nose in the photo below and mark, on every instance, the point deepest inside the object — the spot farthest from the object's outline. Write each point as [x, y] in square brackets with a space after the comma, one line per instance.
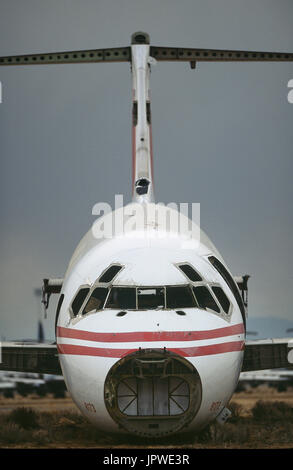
[153, 392]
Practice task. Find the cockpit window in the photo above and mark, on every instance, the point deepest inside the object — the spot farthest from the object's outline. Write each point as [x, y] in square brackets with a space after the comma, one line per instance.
[110, 273]
[79, 299]
[96, 300]
[222, 298]
[150, 298]
[122, 298]
[190, 272]
[205, 298]
[179, 297]
[231, 283]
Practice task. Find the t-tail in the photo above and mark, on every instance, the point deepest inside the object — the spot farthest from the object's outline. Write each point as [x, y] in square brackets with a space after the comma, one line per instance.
[141, 56]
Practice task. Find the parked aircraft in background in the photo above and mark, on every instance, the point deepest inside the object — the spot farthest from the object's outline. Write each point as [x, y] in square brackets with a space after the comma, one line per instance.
[280, 379]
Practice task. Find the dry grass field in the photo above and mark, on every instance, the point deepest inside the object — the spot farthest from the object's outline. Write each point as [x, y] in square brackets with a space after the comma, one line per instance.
[262, 418]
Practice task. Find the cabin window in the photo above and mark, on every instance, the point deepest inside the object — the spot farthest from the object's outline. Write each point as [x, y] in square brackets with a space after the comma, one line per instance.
[179, 297]
[150, 298]
[222, 298]
[205, 299]
[110, 273]
[190, 272]
[122, 298]
[96, 300]
[79, 299]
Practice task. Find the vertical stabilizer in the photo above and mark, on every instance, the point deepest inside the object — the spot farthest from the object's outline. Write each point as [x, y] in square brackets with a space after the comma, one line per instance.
[142, 157]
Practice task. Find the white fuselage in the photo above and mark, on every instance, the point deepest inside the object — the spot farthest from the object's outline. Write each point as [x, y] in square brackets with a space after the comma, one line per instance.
[91, 343]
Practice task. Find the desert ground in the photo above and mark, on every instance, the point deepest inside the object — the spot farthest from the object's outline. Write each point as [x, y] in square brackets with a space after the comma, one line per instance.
[262, 418]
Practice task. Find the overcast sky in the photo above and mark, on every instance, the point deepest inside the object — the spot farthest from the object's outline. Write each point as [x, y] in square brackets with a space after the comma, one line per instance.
[222, 136]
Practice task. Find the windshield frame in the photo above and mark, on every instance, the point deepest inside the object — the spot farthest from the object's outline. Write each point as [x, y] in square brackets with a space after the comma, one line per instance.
[191, 285]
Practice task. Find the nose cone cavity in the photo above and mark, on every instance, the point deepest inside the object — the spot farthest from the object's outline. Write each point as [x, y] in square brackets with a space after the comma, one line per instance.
[153, 392]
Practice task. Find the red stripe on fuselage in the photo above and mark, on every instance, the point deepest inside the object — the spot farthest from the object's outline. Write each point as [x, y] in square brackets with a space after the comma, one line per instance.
[142, 336]
[210, 349]
[88, 351]
[207, 350]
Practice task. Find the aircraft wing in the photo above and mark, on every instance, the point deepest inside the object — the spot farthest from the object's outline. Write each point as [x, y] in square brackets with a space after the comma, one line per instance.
[41, 358]
[268, 354]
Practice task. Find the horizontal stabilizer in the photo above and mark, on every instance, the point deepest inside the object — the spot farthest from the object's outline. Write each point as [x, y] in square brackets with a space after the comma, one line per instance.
[120, 54]
[216, 55]
[123, 54]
